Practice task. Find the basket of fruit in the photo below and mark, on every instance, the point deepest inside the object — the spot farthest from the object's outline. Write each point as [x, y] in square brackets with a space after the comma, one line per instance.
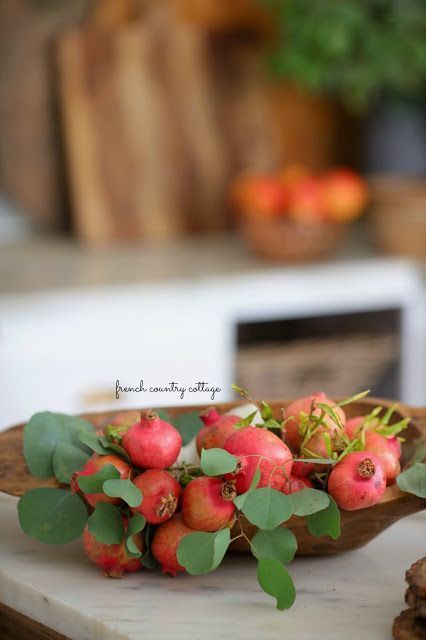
[295, 216]
[312, 476]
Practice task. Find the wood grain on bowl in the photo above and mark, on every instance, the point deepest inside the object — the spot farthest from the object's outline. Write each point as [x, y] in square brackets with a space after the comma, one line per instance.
[358, 527]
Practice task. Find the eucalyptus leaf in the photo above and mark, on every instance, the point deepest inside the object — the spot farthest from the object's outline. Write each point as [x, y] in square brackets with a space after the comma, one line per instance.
[106, 524]
[277, 544]
[43, 433]
[325, 522]
[267, 508]
[217, 462]
[413, 480]
[188, 424]
[201, 552]
[164, 415]
[148, 559]
[93, 441]
[112, 447]
[94, 483]
[275, 580]
[124, 489]
[308, 501]
[67, 458]
[240, 500]
[53, 516]
[135, 525]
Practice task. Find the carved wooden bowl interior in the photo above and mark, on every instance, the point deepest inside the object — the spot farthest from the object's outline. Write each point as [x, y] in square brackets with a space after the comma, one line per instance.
[358, 527]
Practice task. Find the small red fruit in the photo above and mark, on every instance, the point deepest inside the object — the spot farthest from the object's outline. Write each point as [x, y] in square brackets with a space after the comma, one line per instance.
[353, 426]
[152, 443]
[293, 484]
[379, 445]
[344, 195]
[210, 416]
[161, 493]
[306, 204]
[166, 541]
[93, 465]
[255, 447]
[302, 469]
[215, 435]
[264, 196]
[112, 558]
[358, 481]
[306, 405]
[394, 445]
[207, 503]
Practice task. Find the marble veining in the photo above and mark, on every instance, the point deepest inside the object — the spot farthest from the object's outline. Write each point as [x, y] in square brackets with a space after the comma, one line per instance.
[352, 595]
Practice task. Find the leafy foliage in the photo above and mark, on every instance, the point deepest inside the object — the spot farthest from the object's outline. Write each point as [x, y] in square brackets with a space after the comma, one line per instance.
[66, 459]
[44, 432]
[325, 522]
[217, 462]
[124, 489]
[278, 544]
[201, 552]
[53, 516]
[94, 483]
[275, 580]
[267, 508]
[413, 480]
[356, 49]
[105, 523]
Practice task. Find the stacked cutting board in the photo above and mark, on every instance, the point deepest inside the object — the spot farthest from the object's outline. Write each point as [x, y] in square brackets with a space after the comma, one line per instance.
[156, 120]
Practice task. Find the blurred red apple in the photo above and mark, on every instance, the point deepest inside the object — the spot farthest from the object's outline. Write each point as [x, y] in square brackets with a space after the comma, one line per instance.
[306, 203]
[344, 195]
[264, 196]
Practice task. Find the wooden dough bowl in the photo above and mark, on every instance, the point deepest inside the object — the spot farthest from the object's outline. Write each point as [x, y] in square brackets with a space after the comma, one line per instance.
[358, 527]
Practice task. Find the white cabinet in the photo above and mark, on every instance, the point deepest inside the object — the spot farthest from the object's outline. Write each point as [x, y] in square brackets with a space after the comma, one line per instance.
[64, 351]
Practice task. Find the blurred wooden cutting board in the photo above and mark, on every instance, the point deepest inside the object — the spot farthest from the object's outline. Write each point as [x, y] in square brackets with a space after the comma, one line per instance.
[143, 146]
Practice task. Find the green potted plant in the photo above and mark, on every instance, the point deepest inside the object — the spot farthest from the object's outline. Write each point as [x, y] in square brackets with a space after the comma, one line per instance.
[371, 55]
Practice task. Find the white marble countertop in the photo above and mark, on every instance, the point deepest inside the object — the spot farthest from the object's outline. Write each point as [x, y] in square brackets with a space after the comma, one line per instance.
[355, 595]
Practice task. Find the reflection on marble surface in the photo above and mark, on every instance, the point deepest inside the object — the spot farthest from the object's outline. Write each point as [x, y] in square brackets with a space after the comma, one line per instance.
[355, 595]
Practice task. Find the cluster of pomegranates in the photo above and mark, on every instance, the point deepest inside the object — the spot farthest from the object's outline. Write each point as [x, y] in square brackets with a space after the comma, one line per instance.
[315, 446]
[339, 195]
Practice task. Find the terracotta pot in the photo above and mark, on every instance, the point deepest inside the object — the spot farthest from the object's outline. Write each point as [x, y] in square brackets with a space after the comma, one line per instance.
[284, 240]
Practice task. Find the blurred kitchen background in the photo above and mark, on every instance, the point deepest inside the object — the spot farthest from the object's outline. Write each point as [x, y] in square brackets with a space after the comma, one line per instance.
[210, 190]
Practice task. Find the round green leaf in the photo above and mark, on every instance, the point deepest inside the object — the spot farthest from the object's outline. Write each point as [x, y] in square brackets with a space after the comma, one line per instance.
[135, 525]
[202, 552]
[148, 559]
[53, 516]
[325, 522]
[267, 508]
[188, 425]
[275, 580]
[309, 501]
[94, 483]
[106, 524]
[92, 440]
[413, 480]
[124, 489]
[112, 447]
[44, 432]
[278, 544]
[67, 458]
[217, 462]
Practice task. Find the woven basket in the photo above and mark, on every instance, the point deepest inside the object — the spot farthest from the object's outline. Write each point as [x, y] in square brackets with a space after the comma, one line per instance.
[283, 240]
[398, 215]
